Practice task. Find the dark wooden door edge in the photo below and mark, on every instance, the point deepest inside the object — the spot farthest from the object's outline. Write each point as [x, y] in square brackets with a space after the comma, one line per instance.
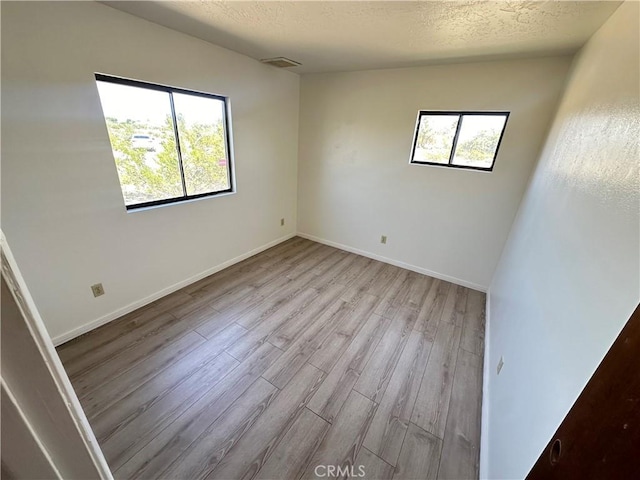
[600, 436]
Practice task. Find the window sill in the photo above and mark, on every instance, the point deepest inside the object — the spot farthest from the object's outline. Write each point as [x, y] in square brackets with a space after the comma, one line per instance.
[452, 166]
[179, 201]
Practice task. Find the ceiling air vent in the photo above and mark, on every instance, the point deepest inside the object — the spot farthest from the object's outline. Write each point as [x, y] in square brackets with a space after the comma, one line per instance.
[280, 62]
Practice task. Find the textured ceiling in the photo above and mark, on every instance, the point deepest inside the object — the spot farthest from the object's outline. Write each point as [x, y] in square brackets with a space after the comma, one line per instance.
[355, 35]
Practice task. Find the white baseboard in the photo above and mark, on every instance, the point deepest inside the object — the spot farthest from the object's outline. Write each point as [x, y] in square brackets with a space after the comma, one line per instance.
[87, 327]
[397, 263]
[486, 372]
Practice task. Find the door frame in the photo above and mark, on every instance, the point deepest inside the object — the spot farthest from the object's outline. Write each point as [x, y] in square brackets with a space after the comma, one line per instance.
[38, 331]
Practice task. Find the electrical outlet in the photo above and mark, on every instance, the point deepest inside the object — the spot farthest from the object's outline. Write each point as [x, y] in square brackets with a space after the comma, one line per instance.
[97, 289]
[282, 222]
[500, 365]
[383, 239]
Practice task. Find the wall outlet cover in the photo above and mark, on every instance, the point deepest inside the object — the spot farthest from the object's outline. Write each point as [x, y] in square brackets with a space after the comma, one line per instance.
[97, 289]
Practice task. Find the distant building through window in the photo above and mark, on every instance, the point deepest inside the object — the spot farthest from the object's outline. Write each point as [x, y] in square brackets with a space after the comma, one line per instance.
[458, 139]
[169, 144]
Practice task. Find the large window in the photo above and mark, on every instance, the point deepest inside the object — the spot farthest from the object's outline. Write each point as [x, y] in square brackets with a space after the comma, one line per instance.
[458, 139]
[169, 144]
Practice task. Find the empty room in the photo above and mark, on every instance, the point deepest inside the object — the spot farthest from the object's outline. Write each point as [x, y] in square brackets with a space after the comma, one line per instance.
[320, 239]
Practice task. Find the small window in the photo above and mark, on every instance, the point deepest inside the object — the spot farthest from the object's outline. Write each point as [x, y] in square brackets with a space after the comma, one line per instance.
[168, 144]
[458, 139]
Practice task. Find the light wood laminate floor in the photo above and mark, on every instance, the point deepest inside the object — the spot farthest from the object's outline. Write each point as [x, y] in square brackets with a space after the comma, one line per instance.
[299, 359]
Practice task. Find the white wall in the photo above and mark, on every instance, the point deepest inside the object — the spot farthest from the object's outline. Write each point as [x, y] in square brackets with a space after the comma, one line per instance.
[62, 208]
[568, 279]
[355, 183]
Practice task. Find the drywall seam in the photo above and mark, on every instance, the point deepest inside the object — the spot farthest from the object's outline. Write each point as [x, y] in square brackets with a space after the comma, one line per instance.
[87, 327]
[397, 263]
[486, 371]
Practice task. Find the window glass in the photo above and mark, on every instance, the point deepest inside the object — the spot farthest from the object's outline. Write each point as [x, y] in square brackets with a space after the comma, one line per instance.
[478, 140]
[435, 138]
[202, 143]
[143, 142]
